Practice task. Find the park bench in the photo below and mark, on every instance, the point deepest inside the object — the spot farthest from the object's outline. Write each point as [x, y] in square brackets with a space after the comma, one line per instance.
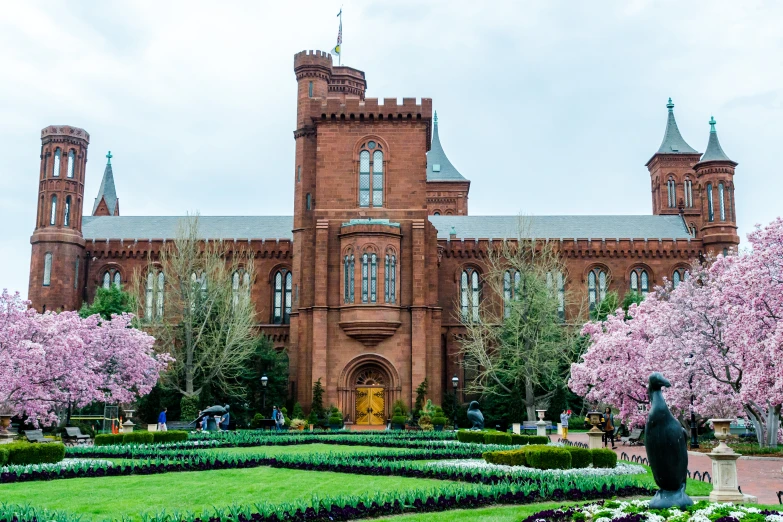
[74, 434]
[633, 438]
[36, 436]
[531, 426]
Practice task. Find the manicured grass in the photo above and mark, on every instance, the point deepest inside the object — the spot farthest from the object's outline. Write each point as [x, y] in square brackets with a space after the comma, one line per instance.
[100, 498]
[304, 448]
[694, 488]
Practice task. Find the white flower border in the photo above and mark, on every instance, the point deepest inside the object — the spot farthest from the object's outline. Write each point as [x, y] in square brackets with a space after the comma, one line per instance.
[701, 515]
[63, 465]
[479, 464]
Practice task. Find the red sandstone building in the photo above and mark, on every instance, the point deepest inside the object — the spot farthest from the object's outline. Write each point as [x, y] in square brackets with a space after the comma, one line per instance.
[364, 285]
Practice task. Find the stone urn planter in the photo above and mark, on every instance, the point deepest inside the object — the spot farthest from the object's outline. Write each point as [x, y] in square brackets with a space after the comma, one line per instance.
[721, 427]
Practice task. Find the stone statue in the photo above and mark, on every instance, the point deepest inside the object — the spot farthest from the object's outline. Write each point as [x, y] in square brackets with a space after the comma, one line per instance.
[667, 450]
[210, 413]
[475, 416]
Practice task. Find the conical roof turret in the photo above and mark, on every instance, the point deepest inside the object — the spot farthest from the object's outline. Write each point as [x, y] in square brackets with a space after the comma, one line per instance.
[714, 151]
[107, 192]
[439, 168]
[673, 142]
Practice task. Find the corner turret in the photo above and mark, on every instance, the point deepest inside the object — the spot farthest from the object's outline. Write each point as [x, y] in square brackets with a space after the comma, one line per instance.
[107, 203]
[447, 189]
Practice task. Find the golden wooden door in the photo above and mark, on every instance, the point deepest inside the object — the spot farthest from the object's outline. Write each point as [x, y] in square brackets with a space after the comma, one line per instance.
[370, 406]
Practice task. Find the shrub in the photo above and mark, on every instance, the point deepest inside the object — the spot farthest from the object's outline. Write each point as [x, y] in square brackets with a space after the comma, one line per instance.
[519, 440]
[439, 420]
[297, 412]
[538, 439]
[470, 436]
[160, 437]
[295, 423]
[37, 453]
[188, 406]
[548, 457]
[3, 456]
[399, 419]
[604, 458]
[256, 421]
[515, 457]
[580, 457]
[107, 439]
[138, 437]
[335, 417]
[497, 437]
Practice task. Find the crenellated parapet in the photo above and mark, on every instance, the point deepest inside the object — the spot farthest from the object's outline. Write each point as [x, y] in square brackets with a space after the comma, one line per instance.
[313, 64]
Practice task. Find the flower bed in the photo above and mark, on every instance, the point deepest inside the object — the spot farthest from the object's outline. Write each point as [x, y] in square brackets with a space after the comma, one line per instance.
[622, 468]
[638, 510]
[63, 465]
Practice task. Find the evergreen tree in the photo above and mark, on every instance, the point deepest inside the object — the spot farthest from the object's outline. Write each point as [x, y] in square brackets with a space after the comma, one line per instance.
[108, 301]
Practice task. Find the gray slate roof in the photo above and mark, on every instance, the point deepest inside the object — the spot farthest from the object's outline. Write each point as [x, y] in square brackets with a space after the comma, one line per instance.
[107, 191]
[565, 227]
[466, 227]
[673, 142]
[439, 168]
[714, 151]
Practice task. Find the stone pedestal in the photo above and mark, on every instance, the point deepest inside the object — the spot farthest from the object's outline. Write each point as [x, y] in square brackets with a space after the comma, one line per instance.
[541, 428]
[127, 427]
[594, 439]
[516, 428]
[560, 429]
[724, 477]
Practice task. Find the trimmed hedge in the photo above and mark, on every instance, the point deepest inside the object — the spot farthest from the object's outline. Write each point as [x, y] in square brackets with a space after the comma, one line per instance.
[548, 457]
[580, 457]
[604, 458]
[37, 453]
[107, 439]
[507, 458]
[138, 437]
[537, 439]
[470, 436]
[160, 437]
[3, 456]
[497, 437]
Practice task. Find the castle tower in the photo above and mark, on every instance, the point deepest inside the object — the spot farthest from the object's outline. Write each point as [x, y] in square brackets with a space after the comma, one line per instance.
[715, 173]
[672, 177]
[57, 261]
[107, 203]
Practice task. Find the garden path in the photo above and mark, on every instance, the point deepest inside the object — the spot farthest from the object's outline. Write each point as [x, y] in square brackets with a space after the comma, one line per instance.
[760, 477]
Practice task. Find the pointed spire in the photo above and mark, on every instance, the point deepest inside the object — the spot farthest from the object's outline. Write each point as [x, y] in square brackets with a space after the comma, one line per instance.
[439, 168]
[673, 142]
[714, 151]
[107, 192]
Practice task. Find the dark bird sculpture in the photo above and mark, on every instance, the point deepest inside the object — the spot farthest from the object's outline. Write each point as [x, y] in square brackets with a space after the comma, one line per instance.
[475, 416]
[210, 413]
[667, 449]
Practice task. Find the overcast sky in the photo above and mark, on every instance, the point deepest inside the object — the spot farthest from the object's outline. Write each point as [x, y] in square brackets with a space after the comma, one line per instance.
[547, 107]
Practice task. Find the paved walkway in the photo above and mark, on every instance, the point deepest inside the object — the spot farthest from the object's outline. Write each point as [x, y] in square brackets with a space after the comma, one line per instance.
[760, 477]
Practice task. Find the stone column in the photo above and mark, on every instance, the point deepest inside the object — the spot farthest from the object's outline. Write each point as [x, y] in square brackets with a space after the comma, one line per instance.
[594, 439]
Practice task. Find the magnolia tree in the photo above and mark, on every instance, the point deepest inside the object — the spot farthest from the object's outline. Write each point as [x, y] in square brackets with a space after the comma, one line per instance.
[718, 337]
[52, 360]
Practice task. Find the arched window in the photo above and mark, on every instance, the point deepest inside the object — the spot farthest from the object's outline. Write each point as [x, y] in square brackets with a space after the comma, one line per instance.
[76, 274]
[390, 278]
[198, 288]
[369, 277]
[71, 161]
[555, 282]
[47, 276]
[153, 298]
[710, 208]
[282, 308]
[106, 280]
[308, 202]
[371, 184]
[688, 192]
[436, 213]
[111, 276]
[56, 162]
[640, 281]
[373, 278]
[721, 202]
[596, 287]
[679, 275]
[348, 276]
[733, 207]
[67, 212]
[469, 295]
[240, 286]
[510, 289]
[53, 216]
[693, 230]
[159, 295]
[671, 187]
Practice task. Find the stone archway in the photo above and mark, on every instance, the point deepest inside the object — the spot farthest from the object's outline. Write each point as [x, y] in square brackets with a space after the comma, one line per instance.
[368, 386]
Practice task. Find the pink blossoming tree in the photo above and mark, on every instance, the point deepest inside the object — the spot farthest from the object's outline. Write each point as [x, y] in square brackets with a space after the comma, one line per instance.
[718, 337]
[52, 360]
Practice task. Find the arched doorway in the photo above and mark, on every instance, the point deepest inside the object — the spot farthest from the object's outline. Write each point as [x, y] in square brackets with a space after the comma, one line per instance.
[370, 407]
[367, 388]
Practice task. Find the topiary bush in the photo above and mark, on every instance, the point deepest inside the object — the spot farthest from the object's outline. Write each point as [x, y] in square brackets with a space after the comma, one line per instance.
[3, 457]
[580, 457]
[497, 437]
[188, 407]
[26, 453]
[604, 458]
[256, 422]
[476, 437]
[297, 412]
[548, 457]
[106, 439]
[161, 437]
[507, 458]
[138, 437]
[538, 439]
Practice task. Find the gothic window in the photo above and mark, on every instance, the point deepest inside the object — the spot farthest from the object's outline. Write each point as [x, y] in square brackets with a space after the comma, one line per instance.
[436, 213]
[640, 281]
[510, 289]
[733, 207]
[365, 273]
[71, 161]
[106, 280]
[310, 89]
[721, 202]
[710, 208]
[198, 288]
[555, 282]
[596, 287]
[693, 230]
[56, 163]
[67, 212]
[729, 204]
[159, 296]
[679, 275]
[111, 276]
[240, 286]
[308, 202]
[282, 309]
[153, 298]
[47, 278]
[469, 294]
[371, 175]
[348, 276]
[672, 192]
[390, 278]
[688, 192]
[76, 274]
[373, 278]
[299, 174]
[53, 216]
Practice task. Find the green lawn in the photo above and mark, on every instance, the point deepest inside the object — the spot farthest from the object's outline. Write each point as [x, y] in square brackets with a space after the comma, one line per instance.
[304, 448]
[114, 497]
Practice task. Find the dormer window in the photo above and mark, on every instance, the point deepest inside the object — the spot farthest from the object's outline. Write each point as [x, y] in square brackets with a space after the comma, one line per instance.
[436, 167]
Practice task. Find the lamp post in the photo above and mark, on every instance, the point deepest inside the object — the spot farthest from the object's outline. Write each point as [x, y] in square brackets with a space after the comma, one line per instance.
[455, 384]
[264, 381]
[694, 428]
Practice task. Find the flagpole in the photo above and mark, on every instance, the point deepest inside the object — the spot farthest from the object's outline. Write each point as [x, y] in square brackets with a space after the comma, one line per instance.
[340, 56]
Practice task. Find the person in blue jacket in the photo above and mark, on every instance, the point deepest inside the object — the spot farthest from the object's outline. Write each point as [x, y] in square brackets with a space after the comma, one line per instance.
[162, 420]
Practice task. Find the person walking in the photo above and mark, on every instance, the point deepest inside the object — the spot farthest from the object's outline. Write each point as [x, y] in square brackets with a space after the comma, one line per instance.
[608, 427]
[280, 421]
[224, 420]
[564, 422]
[275, 417]
[162, 420]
